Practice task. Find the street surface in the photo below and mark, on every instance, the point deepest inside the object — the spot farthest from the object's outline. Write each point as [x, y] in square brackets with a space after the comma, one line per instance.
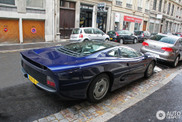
[20, 100]
[168, 99]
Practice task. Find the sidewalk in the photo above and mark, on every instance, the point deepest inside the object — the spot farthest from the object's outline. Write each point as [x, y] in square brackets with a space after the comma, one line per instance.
[164, 105]
[25, 46]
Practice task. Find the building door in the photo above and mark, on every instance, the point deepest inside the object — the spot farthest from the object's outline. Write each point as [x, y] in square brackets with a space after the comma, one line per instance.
[102, 20]
[9, 31]
[67, 19]
[86, 15]
[144, 25]
[33, 31]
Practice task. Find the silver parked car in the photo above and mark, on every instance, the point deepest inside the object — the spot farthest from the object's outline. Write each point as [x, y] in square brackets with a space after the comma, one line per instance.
[88, 33]
[164, 47]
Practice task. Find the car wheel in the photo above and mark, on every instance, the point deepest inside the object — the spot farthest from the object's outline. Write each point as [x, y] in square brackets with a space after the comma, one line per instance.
[85, 40]
[150, 69]
[134, 41]
[176, 61]
[98, 88]
[121, 41]
[106, 40]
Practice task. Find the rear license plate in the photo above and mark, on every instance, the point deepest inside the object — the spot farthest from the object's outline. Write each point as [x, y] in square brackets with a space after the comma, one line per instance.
[33, 80]
[111, 38]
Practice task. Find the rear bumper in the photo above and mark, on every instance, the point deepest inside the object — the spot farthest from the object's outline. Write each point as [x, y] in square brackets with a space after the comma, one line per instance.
[166, 56]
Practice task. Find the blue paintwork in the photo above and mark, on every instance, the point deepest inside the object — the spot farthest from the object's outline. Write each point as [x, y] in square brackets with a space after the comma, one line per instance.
[73, 75]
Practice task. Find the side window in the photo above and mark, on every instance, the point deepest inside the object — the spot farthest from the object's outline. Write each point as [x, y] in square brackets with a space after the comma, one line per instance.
[113, 53]
[180, 42]
[128, 53]
[97, 31]
[88, 31]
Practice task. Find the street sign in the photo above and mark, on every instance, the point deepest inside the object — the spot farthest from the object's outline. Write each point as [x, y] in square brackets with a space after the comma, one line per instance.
[5, 29]
[33, 30]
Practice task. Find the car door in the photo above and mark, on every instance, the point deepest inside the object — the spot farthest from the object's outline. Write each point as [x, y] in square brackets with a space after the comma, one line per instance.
[128, 36]
[99, 34]
[89, 33]
[118, 67]
[135, 62]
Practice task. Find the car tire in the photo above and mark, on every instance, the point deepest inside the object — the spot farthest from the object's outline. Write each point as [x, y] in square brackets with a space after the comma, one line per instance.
[98, 88]
[150, 69]
[176, 61]
[106, 40]
[135, 41]
[85, 40]
[121, 41]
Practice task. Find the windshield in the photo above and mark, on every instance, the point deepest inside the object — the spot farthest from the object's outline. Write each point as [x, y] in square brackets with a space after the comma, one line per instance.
[169, 40]
[165, 39]
[84, 48]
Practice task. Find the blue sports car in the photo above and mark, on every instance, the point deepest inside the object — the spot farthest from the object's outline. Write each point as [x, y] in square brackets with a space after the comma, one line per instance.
[85, 69]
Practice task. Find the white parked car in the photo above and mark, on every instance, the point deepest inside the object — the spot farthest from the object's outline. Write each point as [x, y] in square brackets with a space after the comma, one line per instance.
[88, 33]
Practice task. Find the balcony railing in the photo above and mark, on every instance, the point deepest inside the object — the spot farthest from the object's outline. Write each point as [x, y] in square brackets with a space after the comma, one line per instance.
[128, 5]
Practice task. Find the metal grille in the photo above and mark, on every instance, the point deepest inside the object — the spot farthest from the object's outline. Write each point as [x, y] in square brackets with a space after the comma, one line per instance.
[34, 73]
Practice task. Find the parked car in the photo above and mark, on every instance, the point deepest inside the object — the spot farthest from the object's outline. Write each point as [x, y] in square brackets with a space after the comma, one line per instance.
[142, 35]
[178, 34]
[164, 47]
[85, 69]
[87, 33]
[123, 36]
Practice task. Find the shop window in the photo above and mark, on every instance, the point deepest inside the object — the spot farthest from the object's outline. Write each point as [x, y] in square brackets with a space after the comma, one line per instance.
[137, 26]
[35, 3]
[9, 2]
[156, 28]
[126, 25]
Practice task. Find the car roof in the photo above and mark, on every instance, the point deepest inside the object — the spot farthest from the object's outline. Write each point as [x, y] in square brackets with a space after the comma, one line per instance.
[173, 36]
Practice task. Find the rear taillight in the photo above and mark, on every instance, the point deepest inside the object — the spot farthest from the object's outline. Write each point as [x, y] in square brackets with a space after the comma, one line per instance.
[50, 82]
[81, 36]
[143, 35]
[145, 44]
[168, 49]
[117, 34]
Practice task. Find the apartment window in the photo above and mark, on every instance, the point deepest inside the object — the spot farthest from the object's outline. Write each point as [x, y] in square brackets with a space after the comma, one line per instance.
[177, 12]
[169, 7]
[129, 3]
[119, 2]
[154, 4]
[160, 5]
[35, 3]
[172, 10]
[140, 5]
[164, 10]
[9, 2]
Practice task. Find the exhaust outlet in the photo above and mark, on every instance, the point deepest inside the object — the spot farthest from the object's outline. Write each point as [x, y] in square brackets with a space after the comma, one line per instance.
[25, 75]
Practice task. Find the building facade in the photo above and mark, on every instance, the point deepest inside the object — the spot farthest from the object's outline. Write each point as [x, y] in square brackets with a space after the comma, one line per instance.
[28, 21]
[165, 16]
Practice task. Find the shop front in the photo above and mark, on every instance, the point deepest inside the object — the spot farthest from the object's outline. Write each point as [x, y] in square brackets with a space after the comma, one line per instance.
[129, 21]
[86, 13]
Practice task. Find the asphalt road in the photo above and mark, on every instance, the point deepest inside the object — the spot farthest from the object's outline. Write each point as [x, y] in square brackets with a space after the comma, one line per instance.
[20, 100]
[167, 99]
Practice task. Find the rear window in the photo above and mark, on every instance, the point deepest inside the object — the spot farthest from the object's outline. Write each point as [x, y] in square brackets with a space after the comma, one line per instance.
[169, 40]
[157, 37]
[76, 31]
[84, 48]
